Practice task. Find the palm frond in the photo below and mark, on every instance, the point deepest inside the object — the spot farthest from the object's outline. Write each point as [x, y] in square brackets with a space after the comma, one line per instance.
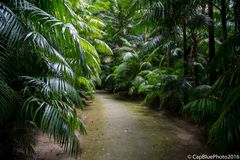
[155, 41]
[125, 49]
[61, 70]
[39, 42]
[146, 66]
[10, 28]
[175, 90]
[82, 81]
[225, 130]
[202, 108]
[200, 91]
[102, 47]
[8, 101]
[51, 86]
[128, 56]
[138, 80]
[56, 118]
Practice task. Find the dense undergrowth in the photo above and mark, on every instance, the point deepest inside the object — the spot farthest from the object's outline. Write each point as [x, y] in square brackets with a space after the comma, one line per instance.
[48, 63]
[178, 55]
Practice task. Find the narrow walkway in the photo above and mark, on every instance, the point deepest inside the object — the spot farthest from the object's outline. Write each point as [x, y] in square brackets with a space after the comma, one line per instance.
[120, 130]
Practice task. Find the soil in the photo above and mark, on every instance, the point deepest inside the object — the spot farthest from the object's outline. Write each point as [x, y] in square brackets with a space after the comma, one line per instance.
[126, 130]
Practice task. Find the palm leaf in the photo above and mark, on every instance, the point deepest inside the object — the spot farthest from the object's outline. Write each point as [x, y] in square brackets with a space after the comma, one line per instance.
[50, 86]
[8, 101]
[39, 42]
[10, 28]
[102, 47]
[57, 119]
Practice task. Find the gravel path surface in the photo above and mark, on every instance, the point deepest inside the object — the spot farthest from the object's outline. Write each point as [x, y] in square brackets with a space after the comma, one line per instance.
[124, 130]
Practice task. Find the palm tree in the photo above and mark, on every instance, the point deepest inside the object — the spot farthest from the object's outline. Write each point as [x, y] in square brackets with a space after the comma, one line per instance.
[212, 76]
[120, 21]
[43, 60]
[220, 101]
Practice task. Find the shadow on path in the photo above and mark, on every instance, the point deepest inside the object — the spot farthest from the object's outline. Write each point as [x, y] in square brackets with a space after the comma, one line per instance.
[123, 130]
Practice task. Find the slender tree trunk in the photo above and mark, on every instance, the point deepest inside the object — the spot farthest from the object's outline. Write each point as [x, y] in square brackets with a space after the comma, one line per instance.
[185, 54]
[224, 28]
[237, 15]
[185, 58]
[145, 34]
[169, 57]
[237, 28]
[194, 59]
[203, 8]
[212, 74]
[224, 20]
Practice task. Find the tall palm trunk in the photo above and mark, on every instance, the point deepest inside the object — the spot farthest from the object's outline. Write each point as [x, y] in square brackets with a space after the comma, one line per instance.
[211, 51]
[237, 15]
[185, 57]
[224, 20]
[224, 27]
[169, 57]
[194, 59]
[185, 54]
[237, 28]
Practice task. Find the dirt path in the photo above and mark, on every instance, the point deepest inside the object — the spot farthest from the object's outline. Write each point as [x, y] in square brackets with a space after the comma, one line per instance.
[122, 130]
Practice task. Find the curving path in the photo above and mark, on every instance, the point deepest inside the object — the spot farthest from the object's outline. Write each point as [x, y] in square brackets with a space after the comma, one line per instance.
[122, 130]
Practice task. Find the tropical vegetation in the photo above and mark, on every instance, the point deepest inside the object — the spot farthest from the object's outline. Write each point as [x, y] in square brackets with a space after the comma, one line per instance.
[49, 63]
[178, 55]
[181, 56]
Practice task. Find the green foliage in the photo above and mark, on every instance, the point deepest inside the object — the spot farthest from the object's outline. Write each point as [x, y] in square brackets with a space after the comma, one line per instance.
[221, 102]
[161, 52]
[125, 72]
[102, 47]
[48, 60]
[167, 89]
[50, 54]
